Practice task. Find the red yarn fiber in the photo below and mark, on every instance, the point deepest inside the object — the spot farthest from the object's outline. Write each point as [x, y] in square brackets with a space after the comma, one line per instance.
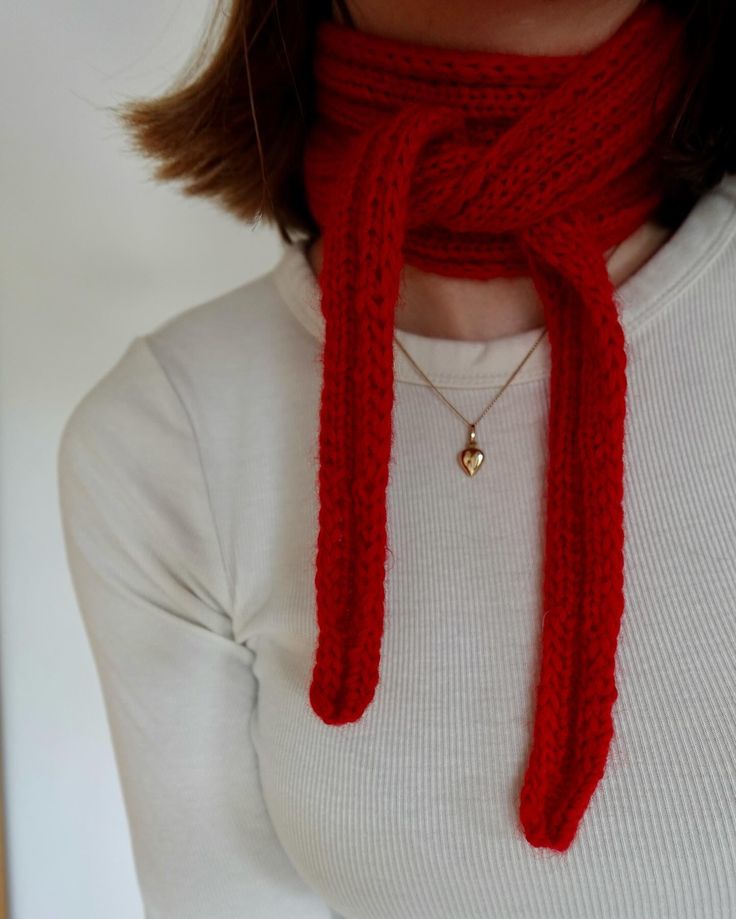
[481, 164]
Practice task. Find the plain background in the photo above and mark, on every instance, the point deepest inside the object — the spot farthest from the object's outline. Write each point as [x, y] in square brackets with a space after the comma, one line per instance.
[92, 253]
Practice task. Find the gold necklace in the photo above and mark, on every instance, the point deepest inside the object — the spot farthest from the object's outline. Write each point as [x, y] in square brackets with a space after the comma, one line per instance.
[471, 457]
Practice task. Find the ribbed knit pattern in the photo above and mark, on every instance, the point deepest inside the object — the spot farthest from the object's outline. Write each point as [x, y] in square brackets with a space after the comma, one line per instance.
[188, 498]
[482, 165]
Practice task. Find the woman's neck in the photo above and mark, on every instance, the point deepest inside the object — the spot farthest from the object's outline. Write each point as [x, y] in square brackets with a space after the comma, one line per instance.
[440, 307]
[515, 26]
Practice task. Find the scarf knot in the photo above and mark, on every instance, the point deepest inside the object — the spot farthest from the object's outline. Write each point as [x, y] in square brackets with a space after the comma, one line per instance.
[481, 164]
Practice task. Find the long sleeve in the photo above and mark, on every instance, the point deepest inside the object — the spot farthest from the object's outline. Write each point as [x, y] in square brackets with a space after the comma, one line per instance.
[147, 569]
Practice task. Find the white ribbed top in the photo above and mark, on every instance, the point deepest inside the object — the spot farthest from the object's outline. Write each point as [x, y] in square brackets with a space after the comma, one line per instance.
[187, 480]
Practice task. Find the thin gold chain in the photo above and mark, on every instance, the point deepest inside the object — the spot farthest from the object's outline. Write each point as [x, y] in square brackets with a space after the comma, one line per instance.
[492, 402]
[501, 391]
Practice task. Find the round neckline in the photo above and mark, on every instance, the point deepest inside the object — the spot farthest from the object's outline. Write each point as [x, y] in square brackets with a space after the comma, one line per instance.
[456, 363]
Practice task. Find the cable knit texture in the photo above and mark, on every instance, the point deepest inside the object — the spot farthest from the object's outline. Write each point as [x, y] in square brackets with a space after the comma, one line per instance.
[481, 165]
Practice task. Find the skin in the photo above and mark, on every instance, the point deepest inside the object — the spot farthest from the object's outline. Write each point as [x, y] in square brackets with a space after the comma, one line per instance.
[461, 308]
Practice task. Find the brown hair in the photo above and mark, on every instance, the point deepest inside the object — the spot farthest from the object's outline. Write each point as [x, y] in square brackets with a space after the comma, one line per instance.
[232, 126]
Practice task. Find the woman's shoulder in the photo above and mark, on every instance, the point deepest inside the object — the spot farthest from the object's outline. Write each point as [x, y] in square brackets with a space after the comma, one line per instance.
[242, 338]
[215, 357]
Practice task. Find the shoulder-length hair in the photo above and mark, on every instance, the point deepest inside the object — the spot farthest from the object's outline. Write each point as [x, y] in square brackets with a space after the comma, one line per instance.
[233, 124]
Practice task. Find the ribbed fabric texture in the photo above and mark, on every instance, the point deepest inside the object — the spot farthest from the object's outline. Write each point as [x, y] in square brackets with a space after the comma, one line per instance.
[485, 165]
[188, 498]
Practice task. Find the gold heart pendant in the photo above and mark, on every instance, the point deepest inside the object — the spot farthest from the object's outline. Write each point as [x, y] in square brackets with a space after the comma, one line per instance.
[472, 456]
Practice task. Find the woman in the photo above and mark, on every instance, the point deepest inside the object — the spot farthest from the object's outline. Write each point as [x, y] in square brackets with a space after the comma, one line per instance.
[509, 235]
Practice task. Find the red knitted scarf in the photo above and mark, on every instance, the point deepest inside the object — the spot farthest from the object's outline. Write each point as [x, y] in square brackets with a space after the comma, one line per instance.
[477, 164]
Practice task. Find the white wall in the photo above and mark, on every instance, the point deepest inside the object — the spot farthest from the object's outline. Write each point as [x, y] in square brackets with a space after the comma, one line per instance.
[92, 253]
